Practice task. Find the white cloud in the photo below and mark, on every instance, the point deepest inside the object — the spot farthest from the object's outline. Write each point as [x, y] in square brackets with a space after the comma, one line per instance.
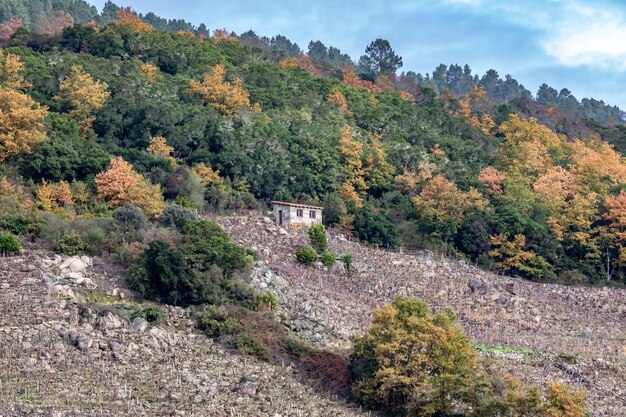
[587, 35]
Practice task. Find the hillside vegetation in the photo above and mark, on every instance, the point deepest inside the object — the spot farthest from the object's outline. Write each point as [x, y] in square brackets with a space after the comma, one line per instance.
[118, 140]
[215, 124]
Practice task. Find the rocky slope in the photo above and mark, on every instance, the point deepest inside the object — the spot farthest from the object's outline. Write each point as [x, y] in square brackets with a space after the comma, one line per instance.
[540, 332]
[68, 348]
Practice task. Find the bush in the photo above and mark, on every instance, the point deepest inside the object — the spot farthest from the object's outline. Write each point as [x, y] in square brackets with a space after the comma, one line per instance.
[72, 245]
[317, 234]
[176, 216]
[263, 302]
[216, 322]
[201, 267]
[130, 217]
[334, 209]
[347, 260]
[413, 363]
[9, 244]
[20, 224]
[328, 258]
[153, 314]
[375, 227]
[306, 255]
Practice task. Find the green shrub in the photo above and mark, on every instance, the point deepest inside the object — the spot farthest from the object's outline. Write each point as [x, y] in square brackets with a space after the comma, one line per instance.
[347, 260]
[377, 227]
[20, 224]
[306, 255]
[9, 244]
[153, 314]
[72, 245]
[130, 217]
[317, 234]
[176, 216]
[202, 267]
[328, 258]
[216, 322]
[265, 301]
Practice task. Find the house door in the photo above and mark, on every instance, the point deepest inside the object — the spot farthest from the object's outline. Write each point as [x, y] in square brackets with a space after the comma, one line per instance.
[280, 217]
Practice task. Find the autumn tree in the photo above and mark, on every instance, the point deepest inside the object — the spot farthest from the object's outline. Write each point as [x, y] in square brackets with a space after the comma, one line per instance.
[8, 29]
[53, 24]
[351, 151]
[11, 68]
[226, 97]
[411, 362]
[121, 184]
[21, 123]
[562, 401]
[491, 179]
[150, 71]
[220, 35]
[510, 255]
[127, 18]
[208, 175]
[352, 79]
[336, 97]
[378, 171]
[82, 96]
[51, 196]
[158, 147]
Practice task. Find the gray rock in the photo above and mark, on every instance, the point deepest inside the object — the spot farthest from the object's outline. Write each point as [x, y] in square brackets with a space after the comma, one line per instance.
[139, 325]
[246, 387]
[110, 321]
[82, 341]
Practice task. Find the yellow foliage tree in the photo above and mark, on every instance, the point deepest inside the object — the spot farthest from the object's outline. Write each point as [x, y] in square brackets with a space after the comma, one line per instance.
[21, 123]
[220, 35]
[562, 401]
[158, 147]
[348, 193]
[83, 96]
[51, 196]
[126, 17]
[597, 165]
[378, 171]
[510, 254]
[441, 200]
[150, 71]
[121, 184]
[226, 97]
[11, 67]
[208, 175]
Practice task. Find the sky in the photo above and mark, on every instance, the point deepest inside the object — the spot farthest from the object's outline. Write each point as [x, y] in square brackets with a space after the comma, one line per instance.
[574, 44]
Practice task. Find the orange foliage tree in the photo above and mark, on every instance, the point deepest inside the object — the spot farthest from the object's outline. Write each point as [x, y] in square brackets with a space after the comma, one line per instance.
[121, 184]
[491, 179]
[208, 175]
[220, 35]
[126, 17]
[11, 67]
[337, 97]
[226, 97]
[350, 78]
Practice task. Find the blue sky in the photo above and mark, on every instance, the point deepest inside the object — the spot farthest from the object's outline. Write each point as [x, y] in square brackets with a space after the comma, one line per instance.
[576, 44]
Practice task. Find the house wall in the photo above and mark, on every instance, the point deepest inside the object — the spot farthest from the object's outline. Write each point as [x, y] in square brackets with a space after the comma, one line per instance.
[291, 219]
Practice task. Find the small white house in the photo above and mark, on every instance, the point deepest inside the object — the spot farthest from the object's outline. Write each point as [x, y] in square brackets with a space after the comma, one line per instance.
[296, 215]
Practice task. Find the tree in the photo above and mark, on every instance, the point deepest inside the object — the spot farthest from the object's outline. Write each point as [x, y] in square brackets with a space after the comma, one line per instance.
[158, 147]
[53, 24]
[411, 362]
[126, 17]
[121, 184]
[8, 29]
[11, 68]
[21, 123]
[379, 59]
[82, 96]
[226, 97]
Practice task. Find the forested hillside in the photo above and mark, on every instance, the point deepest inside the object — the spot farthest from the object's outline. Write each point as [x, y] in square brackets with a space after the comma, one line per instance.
[99, 111]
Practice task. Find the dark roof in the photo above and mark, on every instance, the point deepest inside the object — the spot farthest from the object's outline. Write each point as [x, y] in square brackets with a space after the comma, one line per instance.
[282, 203]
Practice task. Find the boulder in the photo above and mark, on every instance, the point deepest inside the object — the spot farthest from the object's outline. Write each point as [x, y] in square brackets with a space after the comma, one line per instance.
[139, 325]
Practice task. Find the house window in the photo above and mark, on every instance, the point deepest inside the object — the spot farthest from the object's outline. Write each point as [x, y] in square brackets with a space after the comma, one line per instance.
[311, 214]
[300, 213]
